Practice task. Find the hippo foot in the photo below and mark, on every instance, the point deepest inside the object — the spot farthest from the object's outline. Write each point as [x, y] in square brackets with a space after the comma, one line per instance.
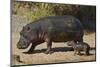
[29, 52]
[79, 54]
[48, 52]
[86, 54]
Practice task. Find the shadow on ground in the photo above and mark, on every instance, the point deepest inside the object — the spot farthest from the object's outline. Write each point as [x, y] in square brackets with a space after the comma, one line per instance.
[56, 49]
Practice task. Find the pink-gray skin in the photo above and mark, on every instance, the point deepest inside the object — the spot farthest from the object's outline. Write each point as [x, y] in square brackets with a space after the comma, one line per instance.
[50, 29]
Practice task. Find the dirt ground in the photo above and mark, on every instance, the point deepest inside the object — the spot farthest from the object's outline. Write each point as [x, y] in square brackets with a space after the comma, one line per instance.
[62, 52]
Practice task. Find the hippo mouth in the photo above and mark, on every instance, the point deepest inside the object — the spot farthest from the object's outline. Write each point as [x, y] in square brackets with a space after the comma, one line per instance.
[22, 46]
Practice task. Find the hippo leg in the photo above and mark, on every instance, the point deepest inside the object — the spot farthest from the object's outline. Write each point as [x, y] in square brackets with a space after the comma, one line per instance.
[31, 50]
[49, 44]
[80, 39]
[86, 51]
[79, 53]
[75, 51]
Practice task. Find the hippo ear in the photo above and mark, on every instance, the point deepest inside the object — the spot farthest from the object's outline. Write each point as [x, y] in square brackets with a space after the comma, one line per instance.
[28, 28]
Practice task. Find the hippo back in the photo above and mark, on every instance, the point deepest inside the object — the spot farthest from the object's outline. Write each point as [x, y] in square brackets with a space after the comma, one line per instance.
[60, 28]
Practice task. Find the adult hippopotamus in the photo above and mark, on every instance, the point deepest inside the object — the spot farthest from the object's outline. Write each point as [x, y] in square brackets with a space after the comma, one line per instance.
[50, 29]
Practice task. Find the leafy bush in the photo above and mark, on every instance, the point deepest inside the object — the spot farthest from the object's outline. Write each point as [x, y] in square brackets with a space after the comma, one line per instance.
[35, 10]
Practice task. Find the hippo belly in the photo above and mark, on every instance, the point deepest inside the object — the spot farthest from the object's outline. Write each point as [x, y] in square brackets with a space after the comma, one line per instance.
[63, 37]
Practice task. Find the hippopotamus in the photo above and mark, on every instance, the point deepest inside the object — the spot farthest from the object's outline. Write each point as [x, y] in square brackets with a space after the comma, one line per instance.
[50, 29]
[79, 46]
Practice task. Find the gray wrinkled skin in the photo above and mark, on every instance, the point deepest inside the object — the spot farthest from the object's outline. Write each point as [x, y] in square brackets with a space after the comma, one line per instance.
[51, 29]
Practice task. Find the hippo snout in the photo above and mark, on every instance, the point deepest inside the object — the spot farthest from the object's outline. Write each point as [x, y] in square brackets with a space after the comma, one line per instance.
[21, 46]
[18, 46]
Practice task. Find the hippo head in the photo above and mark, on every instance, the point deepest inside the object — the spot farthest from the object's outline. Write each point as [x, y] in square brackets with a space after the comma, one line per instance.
[70, 43]
[27, 35]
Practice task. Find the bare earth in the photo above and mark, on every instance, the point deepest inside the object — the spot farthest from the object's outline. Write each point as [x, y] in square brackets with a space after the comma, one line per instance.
[62, 53]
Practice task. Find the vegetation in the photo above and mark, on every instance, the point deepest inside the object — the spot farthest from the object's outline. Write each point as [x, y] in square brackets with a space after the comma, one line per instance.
[34, 11]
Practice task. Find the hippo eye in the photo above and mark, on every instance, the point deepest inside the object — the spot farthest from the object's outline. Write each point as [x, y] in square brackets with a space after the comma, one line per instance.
[25, 37]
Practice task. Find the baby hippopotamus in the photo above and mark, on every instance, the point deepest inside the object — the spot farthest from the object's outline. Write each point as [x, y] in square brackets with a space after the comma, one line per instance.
[78, 47]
